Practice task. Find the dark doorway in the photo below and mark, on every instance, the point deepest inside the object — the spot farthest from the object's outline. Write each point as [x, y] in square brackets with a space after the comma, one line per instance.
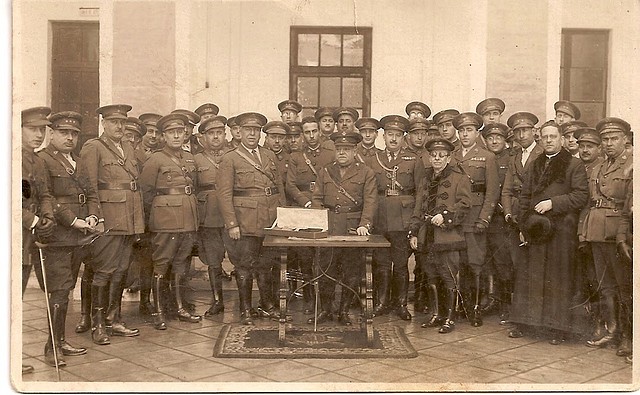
[75, 78]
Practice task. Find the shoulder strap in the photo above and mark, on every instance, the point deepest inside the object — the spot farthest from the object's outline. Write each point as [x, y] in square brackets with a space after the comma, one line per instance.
[178, 163]
[68, 169]
[254, 164]
[120, 160]
[308, 162]
[340, 188]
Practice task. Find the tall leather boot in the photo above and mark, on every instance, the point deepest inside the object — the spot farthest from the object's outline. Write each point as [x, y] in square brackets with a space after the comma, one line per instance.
[383, 280]
[67, 349]
[168, 297]
[245, 285]
[145, 308]
[267, 308]
[435, 319]
[308, 295]
[345, 303]
[186, 293]
[113, 319]
[99, 297]
[85, 306]
[449, 324]
[49, 357]
[476, 315]
[626, 347]
[493, 304]
[599, 327]
[215, 281]
[505, 310]
[402, 289]
[611, 318]
[183, 313]
[159, 319]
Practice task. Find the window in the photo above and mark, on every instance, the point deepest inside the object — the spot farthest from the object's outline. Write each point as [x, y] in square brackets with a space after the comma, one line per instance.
[331, 67]
[583, 71]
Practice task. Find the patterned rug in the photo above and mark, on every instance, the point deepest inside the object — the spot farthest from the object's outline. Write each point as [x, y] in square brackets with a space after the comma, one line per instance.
[242, 341]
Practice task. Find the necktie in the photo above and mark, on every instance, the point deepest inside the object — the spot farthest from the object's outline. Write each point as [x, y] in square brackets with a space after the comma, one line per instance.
[119, 147]
[525, 156]
[70, 160]
[256, 157]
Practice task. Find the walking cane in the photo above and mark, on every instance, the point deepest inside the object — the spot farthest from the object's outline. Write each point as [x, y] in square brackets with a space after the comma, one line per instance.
[46, 299]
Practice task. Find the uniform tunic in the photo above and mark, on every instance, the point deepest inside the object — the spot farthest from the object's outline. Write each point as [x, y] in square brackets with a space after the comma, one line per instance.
[499, 233]
[365, 155]
[304, 168]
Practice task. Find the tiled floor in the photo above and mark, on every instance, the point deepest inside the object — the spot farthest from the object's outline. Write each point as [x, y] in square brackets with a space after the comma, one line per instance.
[183, 353]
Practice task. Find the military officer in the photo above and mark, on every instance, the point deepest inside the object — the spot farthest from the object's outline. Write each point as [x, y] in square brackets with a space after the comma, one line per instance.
[499, 268]
[366, 149]
[152, 140]
[190, 143]
[398, 172]
[111, 169]
[417, 137]
[570, 142]
[442, 202]
[347, 188]
[37, 209]
[249, 190]
[417, 109]
[608, 186]
[444, 120]
[289, 110]
[345, 118]
[566, 111]
[294, 139]
[76, 210]
[490, 110]
[324, 116]
[167, 182]
[624, 239]
[134, 131]
[234, 129]
[206, 111]
[276, 132]
[479, 166]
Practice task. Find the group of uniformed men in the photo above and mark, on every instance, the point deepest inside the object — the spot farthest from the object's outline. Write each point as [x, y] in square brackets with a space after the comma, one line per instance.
[447, 190]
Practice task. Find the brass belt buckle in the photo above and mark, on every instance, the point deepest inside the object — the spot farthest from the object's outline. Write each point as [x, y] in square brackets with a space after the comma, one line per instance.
[312, 186]
[82, 199]
[267, 191]
[133, 185]
[187, 190]
[598, 203]
[392, 192]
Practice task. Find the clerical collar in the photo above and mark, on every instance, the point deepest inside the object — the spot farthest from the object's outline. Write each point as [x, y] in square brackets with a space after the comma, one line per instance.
[551, 156]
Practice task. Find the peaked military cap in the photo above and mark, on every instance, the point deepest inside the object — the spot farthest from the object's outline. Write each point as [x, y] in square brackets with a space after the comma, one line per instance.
[36, 116]
[66, 120]
[568, 108]
[173, 121]
[231, 122]
[467, 118]
[135, 125]
[207, 108]
[571, 126]
[367, 123]
[613, 124]
[490, 104]
[394, 122]
[418, 106]
[439, 143]
[345, 138]
[419, 124]
[522, 119]
[114, 111]
[496, 128]
[445, 115]
[192, 117]
[216, 122]
[276, 127]
[587, 134]
[150, 118]
[323, 112]
[290, 105]
[251, 119]
[295, 128]
[346, 110]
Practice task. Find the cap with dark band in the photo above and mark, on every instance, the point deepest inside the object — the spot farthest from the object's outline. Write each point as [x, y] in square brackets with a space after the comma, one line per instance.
[191, 116]
[276, 127]
[416, 124]
[248, 119]
[568, 108]
[367, 123]
[114, 111]
[346, 110]
[522, 119]
[394, 122]
[290, 105]
[66, 120]
[345, 138]
[490, 104]
[216, 122]
[467, 119]
[418, 106]
[295, 128]
[207, 108]
[613, 124]
[587, 134]
[439, 143]
[231, 122]
[173, 121]
[150, 119]
[36, 116]
[445, 115]
[323, 112]
[495, 128]
[135, 125]
[571, 126]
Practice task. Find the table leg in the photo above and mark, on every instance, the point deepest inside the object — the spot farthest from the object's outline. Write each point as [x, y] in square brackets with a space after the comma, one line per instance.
[315, 271]
[368, 311]
[282, 322]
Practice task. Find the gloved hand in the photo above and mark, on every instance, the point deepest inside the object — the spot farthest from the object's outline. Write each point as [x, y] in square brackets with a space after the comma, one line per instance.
[625, 251]
[481, 226]
[582, 246]
[44, 229]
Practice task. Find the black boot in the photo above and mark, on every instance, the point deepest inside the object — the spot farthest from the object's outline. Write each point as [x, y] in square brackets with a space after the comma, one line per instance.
[99, 297]
[159, 319]
[113, 320]
[85, 306]
[308, 295]
[383, 280]
[67, 349]
[145, 308]
[168, 297]
[402, 288]
[183, 313]
[505, 310]
[436, 319]
[215, 280]
[476, 315]
[610, 315]
[345, 304]
[493, 304]
[267, 308]
[245, 285]
[52, 350]
[626, 346]
[449, 324]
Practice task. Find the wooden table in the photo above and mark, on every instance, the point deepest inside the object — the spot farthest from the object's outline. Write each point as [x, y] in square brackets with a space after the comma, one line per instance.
[282, 243]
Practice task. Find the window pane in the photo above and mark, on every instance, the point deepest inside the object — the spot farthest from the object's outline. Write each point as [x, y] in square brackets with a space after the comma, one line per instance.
[330, 92]
[308, 112]
[308, 91]
[352, 50]
[586, 85]
[330, 50]
[591, 112]
[308, 49]
[352, 92]
[588, 50]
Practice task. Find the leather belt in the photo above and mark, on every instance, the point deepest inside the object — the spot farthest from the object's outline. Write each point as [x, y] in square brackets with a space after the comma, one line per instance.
[207, 187]
[478, 188]
[266, 191]
[79, 198]
[389, 192]
[307, 187]
[603, 203]
[126, 186]
[185, 190]
[338, 209]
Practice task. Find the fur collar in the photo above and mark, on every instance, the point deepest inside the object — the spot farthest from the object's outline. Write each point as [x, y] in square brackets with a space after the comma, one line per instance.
[555, 172]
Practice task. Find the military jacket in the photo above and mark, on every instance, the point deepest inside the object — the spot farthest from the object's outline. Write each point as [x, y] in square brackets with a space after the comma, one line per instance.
[608, 186]
[304, 168]
[282, 162]
[36, 197]
[583, 214]
[498, 224]
[480, 168]
[625, 229]
[513, 180]
[351, 198]
[168, 186]
[248, 195]
[207, 166]
[397, 183]
[366, 155]
[115, 177]
[73, 197]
